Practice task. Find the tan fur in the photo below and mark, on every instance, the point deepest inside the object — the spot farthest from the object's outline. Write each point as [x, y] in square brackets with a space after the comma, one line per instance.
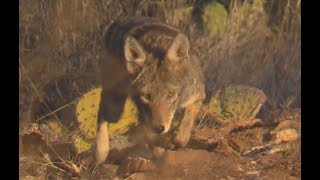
[102, 143]
[152, 62]
[161, 115]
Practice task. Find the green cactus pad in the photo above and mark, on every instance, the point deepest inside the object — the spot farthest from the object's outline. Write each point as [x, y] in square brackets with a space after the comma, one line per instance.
[236, 103]
[215, 18]
[87, 113]
[80, 144]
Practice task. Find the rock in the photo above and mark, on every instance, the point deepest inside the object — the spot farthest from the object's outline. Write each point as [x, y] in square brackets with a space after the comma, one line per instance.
[253, 162]
[120, 142]
[287, 135]
[252, 175]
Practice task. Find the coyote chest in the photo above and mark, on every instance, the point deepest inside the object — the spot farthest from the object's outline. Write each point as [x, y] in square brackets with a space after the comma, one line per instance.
[151, 62]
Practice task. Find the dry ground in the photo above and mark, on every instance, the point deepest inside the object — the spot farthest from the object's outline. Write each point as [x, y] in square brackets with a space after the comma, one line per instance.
[60, 45]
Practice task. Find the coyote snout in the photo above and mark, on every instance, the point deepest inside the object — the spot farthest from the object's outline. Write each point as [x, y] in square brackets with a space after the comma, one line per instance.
[152, 63]
[162, 106]
[161, 117]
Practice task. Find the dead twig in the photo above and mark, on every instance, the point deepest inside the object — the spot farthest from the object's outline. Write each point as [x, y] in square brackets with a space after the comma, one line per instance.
[37, 92]
[60, 108]
[261, 149]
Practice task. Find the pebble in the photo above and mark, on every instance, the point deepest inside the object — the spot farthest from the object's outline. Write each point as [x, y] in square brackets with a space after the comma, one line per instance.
[252, 175]
[287, 135]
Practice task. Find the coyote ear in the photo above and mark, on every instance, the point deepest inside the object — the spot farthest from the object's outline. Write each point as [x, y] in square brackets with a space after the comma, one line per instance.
[179, 49]
[134, 55]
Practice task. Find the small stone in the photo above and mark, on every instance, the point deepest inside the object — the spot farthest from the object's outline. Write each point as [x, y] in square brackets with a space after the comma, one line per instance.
[251, 175]
[240, 169]
[120, 142]
[287, 135]
[253, 162]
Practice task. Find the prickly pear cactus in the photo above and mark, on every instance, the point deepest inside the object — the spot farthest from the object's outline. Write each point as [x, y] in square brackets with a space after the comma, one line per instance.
[80, 144]
[55, 126]
[87, 113]
[235, 103]
[214, 19]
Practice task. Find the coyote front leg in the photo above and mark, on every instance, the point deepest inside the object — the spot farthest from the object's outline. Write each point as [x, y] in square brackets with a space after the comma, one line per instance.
[110, 109]
[183, 133]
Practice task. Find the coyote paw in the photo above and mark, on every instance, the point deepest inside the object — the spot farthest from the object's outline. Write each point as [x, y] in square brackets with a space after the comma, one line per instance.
[180, 139]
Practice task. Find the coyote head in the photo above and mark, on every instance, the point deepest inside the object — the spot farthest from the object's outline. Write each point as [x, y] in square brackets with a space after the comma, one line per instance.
[158, 79]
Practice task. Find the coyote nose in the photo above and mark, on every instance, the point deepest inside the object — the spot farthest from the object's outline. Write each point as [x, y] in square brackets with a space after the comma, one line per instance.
[159, 129]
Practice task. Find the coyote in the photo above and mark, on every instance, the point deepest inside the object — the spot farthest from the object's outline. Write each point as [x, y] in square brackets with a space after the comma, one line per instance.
[151, 62]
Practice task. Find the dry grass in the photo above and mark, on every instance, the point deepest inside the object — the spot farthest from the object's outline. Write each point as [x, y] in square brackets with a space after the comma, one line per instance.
[60, 45]
[252, 52]
[61, 42]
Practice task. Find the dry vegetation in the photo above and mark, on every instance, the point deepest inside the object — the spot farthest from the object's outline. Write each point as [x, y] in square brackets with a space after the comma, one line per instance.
[61, 43]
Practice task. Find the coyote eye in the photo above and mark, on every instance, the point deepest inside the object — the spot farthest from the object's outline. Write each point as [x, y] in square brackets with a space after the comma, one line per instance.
[171, 94]
[146, 97]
